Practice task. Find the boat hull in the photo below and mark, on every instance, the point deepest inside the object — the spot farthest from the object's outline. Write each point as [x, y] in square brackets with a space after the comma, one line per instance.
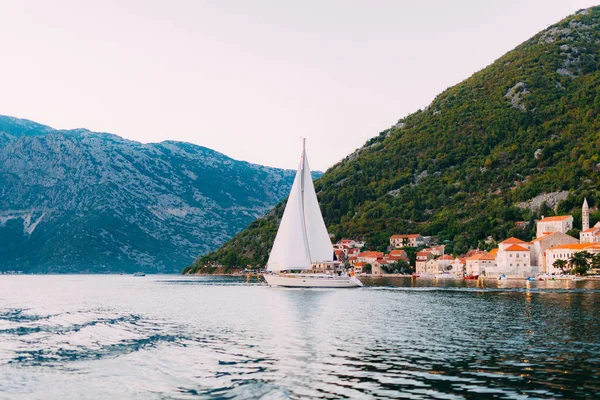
[311, 281]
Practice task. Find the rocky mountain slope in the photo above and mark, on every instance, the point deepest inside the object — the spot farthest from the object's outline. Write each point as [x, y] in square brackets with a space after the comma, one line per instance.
[525, 126]
[81, 201]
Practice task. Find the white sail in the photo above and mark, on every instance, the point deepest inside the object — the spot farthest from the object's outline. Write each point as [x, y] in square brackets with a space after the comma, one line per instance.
[319, 243]
[290, 249]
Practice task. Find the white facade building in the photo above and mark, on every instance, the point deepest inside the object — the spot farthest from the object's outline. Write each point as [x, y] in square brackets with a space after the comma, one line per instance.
[514, 258]
[591, 235]
[411, 240]
[540, 245]
[565, 252]
[480, 264]
[560, 223]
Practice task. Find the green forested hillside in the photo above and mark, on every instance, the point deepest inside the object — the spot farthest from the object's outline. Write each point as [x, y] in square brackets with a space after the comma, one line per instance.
[526, 125]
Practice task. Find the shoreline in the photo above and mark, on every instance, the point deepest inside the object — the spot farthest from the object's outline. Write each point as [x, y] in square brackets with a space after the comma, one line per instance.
[404, 276]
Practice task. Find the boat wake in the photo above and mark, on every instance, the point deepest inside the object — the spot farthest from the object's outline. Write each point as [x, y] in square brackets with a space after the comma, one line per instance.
[52, 340]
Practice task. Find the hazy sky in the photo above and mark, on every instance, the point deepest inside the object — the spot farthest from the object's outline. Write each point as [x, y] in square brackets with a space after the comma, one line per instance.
[249, 78]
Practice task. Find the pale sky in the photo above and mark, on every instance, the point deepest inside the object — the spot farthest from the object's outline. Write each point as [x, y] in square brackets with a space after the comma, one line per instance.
[249, 78]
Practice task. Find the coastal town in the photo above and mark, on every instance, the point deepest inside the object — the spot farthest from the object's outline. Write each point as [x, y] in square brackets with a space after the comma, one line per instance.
[552, 253]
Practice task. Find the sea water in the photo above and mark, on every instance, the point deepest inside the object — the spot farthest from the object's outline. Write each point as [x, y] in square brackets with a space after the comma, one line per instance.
[173, 337]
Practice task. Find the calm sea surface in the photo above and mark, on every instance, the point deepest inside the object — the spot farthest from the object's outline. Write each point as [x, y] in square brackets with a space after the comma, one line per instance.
[172, 337]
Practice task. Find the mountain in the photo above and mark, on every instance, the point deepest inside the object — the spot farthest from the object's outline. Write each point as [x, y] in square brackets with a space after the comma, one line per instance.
[479, 158]
[81, 201]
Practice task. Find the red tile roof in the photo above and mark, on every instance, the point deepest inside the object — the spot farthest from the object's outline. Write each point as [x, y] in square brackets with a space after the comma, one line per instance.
[553, 219]
[481, 257]
[546, 234]
[407, 236]
[591, 230]
[369, 254]
[512, 240]
[516, 247]
[576, 246]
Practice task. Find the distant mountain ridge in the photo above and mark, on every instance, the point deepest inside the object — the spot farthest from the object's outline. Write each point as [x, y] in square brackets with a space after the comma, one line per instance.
[82, 201]
[525, 126]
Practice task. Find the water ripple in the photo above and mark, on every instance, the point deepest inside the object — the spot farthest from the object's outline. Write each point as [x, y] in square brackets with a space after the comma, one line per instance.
[178, 338]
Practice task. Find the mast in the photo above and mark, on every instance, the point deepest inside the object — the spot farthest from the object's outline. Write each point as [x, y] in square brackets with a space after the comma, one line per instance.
[302, 168]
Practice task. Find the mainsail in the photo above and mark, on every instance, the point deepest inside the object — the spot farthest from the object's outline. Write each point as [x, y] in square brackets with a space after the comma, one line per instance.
[302, 237]
[319, 244]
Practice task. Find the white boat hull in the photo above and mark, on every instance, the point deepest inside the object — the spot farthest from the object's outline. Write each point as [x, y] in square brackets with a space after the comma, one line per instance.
[312, 281]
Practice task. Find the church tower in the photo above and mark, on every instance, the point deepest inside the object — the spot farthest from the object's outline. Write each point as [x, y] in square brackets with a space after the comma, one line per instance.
[585, 216]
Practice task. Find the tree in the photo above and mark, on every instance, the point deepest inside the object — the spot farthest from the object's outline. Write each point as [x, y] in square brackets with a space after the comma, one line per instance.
[560, 264]
[574, 232]
[368, 268]
[595, 262]
[403, 267]
[579, 263]
[397, 267]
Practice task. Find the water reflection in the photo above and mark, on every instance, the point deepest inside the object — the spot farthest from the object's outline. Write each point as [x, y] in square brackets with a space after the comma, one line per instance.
[211, 337]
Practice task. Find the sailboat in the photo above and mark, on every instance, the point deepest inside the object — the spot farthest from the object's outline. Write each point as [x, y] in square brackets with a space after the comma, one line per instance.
[302, 246]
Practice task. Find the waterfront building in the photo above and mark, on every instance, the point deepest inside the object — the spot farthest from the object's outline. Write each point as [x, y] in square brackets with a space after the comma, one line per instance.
[406, 240]
[359, 267]
[540, 245]
[369, 256]
[431, 267]
[436, 250]
[565, 252]
[444, 263]
[511, 241]
[514, 258]
[397, 255]
[560, 223]
[376, 266]
[591, 235]
[421, 263]
[480, 264]
[458, 266]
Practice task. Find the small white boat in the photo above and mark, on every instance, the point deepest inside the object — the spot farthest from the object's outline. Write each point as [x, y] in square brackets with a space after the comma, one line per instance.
[302, 241]
[139, 274]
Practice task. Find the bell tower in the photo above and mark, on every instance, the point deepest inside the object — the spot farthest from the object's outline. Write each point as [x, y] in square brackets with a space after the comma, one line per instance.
[585, 216]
